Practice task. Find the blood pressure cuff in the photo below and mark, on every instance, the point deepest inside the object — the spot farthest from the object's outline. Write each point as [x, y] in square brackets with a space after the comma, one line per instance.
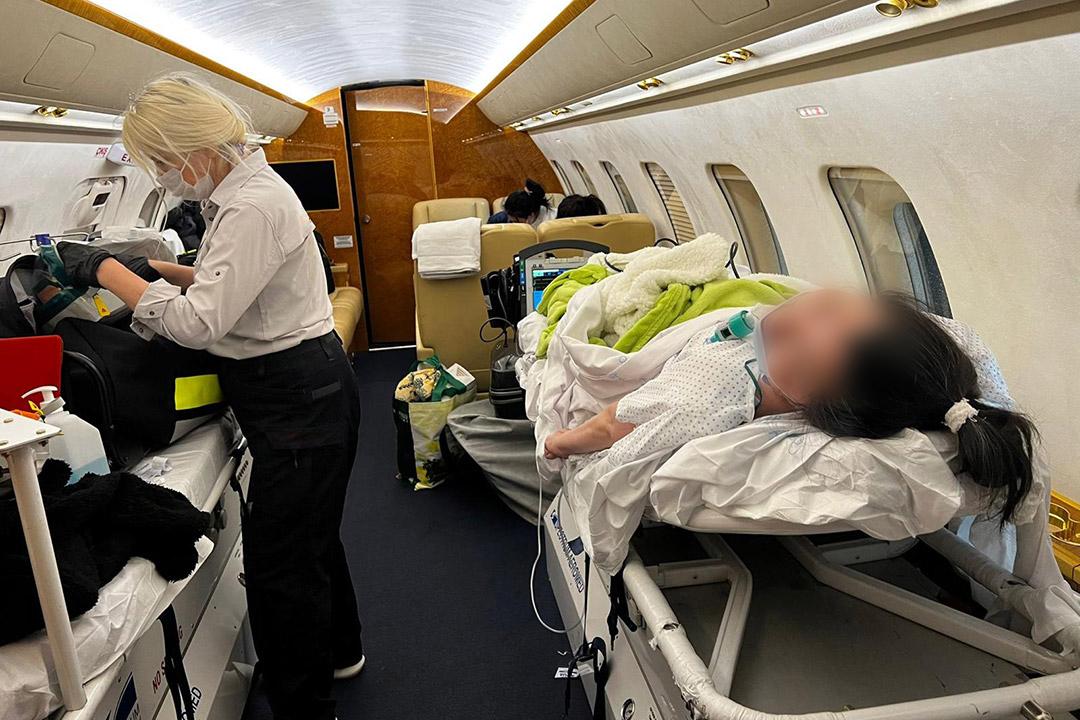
[140, 395]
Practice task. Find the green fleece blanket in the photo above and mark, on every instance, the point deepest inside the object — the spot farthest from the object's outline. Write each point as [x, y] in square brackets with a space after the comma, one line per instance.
[679, 303]
[557, 296]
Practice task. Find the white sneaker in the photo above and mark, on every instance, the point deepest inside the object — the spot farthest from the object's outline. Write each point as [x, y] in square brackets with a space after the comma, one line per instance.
[352, 671]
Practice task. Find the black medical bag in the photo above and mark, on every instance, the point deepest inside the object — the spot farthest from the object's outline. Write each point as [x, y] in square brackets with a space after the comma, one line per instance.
[140, 395]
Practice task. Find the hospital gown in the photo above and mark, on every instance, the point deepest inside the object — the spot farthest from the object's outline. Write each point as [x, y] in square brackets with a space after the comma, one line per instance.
[704, 390]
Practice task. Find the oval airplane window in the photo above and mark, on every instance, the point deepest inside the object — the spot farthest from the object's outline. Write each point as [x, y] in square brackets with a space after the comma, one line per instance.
[621, 188]
[563, 177]
[152, 214]
[892, 243]
[760, 243]
[590, 189]
[681, 224]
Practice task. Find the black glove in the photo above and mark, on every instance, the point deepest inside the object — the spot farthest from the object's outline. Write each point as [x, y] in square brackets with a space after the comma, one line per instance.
[139, 265]
[81, 262]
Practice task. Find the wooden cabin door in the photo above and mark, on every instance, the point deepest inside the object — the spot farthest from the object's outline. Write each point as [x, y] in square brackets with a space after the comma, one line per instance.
[392, 170]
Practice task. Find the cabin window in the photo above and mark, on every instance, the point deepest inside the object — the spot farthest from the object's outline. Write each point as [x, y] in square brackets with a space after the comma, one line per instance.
[673, 203]
[621, 189]
[563, 177]
[153, 212]
[892, 243]
[3, 217]
[590, 189]
[759, 239]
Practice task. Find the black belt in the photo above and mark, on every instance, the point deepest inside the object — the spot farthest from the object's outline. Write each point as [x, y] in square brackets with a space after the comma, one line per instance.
[329, 342]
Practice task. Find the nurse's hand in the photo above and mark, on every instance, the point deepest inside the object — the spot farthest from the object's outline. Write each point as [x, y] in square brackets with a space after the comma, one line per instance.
[140, 266]
[81, 262]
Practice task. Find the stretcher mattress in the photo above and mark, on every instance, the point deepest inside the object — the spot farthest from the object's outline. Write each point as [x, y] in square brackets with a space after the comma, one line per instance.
[127, 606]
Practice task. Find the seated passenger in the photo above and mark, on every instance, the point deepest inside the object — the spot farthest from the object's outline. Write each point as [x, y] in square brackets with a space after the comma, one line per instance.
[529, 206]
[851, 364]
[581, 206]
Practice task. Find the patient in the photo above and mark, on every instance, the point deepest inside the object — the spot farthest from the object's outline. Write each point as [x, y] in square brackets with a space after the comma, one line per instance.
[853, 365]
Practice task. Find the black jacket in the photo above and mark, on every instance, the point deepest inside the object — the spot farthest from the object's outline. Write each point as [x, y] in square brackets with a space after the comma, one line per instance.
[97, 525]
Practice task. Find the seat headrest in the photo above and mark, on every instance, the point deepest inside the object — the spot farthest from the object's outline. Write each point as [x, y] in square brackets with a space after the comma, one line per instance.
[449, 209]
[622, 233]
[507, 232]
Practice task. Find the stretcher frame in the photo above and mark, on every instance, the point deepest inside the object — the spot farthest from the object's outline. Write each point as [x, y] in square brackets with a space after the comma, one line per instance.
[19, 436]
[705, 687]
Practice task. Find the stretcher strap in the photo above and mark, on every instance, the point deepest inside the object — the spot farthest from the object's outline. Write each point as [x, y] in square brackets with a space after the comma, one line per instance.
[594, 652]
[175, 674]
[620, 609]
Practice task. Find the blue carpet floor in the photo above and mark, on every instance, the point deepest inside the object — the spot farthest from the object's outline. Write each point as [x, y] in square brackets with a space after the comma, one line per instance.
[442, 581]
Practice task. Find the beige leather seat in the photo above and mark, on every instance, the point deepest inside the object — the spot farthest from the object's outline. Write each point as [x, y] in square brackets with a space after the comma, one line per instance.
[554, 199]
[449, 209]
[348, 305]
[621, 233]
[449, 313]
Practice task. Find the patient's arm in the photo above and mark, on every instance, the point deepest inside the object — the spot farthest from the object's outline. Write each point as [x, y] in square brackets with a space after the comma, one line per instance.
[597, 433]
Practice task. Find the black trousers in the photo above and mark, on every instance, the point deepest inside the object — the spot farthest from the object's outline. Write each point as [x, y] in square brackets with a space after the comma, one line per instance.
[300, 412]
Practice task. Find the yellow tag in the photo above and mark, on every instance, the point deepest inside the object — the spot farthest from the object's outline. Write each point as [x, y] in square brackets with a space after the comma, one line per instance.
[102, 309]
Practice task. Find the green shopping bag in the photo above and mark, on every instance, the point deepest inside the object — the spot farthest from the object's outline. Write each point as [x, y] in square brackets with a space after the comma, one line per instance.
[422, 402]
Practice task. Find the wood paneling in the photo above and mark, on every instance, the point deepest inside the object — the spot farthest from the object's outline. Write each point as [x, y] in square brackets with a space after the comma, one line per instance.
[114, 22]
[476, 158]
[414, 143]
[391, 152]
[314, 141]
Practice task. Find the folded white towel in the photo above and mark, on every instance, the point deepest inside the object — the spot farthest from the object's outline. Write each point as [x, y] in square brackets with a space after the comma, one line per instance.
[447, 249]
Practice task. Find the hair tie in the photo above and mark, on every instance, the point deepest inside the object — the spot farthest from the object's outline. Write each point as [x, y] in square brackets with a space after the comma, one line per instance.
[960, 412]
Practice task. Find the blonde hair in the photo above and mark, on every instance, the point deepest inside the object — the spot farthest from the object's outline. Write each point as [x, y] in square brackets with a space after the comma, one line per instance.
[179, 114]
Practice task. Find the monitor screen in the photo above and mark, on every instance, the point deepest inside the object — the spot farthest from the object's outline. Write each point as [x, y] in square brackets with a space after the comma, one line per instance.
[315, 182]
[541, 278]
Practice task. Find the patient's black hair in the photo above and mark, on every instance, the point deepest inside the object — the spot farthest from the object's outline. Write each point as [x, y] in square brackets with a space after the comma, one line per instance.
[581, 206]
[527, 202]
[907, 375]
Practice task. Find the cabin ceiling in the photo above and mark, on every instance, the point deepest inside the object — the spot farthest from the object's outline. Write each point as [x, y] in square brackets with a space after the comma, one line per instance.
[302, 49]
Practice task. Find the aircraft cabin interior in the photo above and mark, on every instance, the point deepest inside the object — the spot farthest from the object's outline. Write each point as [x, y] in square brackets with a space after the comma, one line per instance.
[609, 359]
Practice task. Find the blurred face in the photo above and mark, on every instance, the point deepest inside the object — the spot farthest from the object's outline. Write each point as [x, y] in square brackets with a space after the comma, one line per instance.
[807, 339]
[527, 219]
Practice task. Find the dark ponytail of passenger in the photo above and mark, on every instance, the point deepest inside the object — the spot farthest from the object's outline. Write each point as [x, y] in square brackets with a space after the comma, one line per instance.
[912, 373]
[527, 202]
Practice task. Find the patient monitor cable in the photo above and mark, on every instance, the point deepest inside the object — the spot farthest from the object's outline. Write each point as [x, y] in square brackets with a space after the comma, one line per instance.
[536, 563]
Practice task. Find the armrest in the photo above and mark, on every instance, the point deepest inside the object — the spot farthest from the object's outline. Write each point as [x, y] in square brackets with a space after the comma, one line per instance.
[422, 352]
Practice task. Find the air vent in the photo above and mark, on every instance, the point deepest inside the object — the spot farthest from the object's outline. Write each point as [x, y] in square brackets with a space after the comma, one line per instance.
[64, 60]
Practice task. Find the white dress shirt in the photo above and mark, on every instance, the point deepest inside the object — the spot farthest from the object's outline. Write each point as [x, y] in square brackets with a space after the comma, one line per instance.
[259, 283]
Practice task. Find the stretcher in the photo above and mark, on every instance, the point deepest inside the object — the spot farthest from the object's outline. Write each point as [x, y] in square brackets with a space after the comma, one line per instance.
[79, 664]
[685, 664]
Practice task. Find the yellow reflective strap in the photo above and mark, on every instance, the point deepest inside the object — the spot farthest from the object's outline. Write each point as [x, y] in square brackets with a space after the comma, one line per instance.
[197, 391]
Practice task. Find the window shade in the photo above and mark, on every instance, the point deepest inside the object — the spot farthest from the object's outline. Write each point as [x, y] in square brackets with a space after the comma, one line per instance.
[673, 203]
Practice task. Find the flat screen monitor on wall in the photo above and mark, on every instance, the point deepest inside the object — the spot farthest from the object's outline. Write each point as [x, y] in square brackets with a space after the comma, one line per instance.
[315, 182]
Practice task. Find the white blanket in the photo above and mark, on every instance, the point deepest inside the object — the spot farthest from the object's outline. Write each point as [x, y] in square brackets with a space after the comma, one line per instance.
[447, 249]
[628, 295]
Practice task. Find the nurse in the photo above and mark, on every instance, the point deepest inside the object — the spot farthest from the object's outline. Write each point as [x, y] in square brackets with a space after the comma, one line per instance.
[256, 298]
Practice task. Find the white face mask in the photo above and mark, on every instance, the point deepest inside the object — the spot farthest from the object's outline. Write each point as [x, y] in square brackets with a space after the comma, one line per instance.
[173, 182]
